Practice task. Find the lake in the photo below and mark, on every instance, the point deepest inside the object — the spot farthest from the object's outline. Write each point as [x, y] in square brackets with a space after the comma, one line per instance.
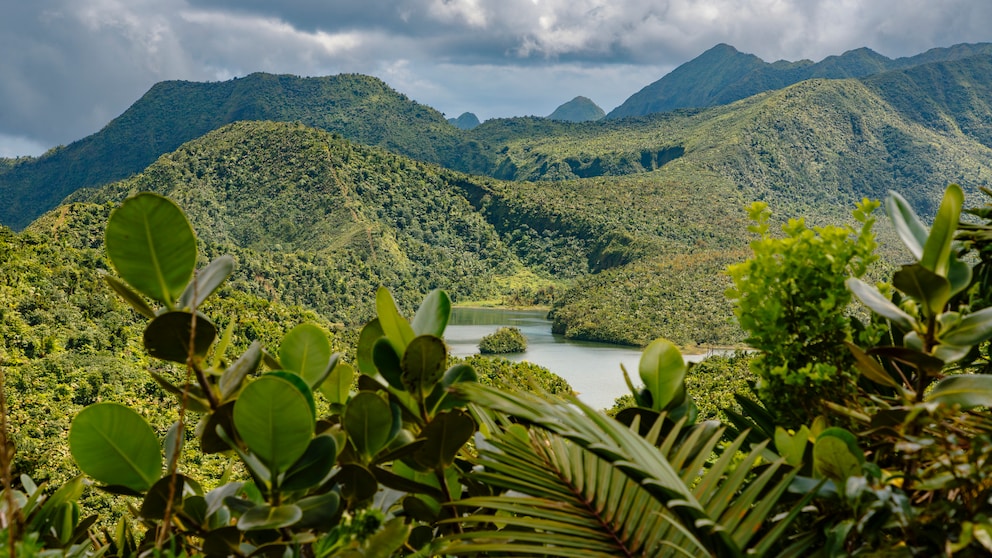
[592, 369]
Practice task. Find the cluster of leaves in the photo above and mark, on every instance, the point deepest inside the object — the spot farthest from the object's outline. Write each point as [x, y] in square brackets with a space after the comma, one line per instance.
[503, 340]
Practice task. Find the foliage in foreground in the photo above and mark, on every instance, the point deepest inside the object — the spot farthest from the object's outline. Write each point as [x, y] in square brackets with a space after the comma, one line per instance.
[897, 467]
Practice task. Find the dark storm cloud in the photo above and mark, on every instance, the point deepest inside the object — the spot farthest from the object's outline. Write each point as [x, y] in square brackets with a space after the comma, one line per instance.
[69, 66]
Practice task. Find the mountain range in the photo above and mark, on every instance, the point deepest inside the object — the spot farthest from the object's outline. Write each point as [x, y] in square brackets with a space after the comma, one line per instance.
[324, 188]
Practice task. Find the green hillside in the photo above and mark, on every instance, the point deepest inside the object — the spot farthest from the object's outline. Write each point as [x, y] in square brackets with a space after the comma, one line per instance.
[723, 75]
[173, 112]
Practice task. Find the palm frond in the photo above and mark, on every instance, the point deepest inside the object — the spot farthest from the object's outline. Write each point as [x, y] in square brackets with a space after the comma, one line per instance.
[703, 506]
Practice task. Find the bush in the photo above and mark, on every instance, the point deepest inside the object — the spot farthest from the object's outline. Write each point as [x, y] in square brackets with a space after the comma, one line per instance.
[504, 340]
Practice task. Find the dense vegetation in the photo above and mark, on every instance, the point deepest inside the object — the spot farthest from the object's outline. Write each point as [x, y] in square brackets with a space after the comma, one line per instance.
[579, 109]
[502, 341]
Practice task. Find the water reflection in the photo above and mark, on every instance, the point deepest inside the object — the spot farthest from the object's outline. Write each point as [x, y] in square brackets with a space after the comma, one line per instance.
[592, 369]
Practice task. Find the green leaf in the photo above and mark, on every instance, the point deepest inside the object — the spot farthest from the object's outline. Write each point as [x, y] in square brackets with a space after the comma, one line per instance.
[206, 281]
[313, 466]
[133, 299]
[264, 516]
[338, 384]
[915, 358]
[441, 399]
[908, 226]
[394, 326]
[423, 364]
[958, 274]
[662, 370]
[791, 446]
[357, 483]
[882, 306]
[115, 446]
[274, 418]
[836, 455]
[232, 378]
[152, 246]
[925, 286]
[387, 540]
[937, 250]
[387, 362]
[368, 420]
[301, 385]
[966, 390]
[306, 351]
[318, 511]
[870, 368]
[371, 333]
[971, 330]
[445, 435]
[167, 336]
[432, 316]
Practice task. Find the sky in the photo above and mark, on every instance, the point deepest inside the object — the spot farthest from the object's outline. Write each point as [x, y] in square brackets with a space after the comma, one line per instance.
[68, 67]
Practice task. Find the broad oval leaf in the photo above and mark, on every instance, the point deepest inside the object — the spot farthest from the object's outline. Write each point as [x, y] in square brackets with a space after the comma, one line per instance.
[306, 351]
[423, 364]
[394, 325]
[971, 330]
[966, 390]
[368, 420]
[300, 385]
[387, 362]
[882, 306]
[662, 370]
[836, 455]
[133, 299]
[337, 386]
[432, 316]
[318, 511]
[167, 336]
[366, 342]
[264, 516]
[152, 246]
[275, 420]
[870, 368]
[313, 466]
[232, 378]
[115, 446]
[445, 435]
[206, 281]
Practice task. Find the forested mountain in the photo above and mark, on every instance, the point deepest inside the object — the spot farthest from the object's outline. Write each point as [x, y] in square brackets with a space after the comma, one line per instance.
[579, 109]
[723, 75]
[173, 112]
[465, 121]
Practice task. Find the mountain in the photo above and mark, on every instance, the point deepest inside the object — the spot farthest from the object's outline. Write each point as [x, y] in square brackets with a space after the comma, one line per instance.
[579, 109]
[723, 75]
[173, 112]
[465, 121]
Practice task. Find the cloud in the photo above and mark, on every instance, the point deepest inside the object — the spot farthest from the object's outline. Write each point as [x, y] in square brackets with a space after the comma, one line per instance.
[70, 66]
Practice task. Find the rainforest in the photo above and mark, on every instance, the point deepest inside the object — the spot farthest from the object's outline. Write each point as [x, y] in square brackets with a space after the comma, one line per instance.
[223, 334]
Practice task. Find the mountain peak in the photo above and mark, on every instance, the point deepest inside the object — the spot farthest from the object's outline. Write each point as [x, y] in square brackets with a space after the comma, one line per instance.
[579, 109]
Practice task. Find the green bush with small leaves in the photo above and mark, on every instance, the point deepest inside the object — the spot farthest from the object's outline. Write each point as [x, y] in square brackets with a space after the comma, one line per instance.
[503, 341]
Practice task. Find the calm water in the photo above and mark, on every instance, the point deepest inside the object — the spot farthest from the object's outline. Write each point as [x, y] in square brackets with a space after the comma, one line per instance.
[592, 369]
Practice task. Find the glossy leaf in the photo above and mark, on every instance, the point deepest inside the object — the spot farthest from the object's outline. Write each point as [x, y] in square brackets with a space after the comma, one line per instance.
[222, 418]
[313, 466]
[357, 483]
[152, 246]
[432, 316]
[971, 330]
[275, 420]
[133, 299]
[167, 336]
[264, 516]
[441, 398]
[870, 368]
[306, 351]
[368, 420]
[206, 281]
[115, 446]
[318, 511]
[337, 386]
[394, 325]
[932, 290]
[662, 370]
[792, 446]
[423, 364]
[908, 226]
[966, 390]
[301, 385]
[387, 362]
[882, 306]
[445, 435]
[366, 342]
[937, 250]
[154, 503]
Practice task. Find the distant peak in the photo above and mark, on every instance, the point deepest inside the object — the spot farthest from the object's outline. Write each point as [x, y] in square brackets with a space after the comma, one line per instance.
[579, 109]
